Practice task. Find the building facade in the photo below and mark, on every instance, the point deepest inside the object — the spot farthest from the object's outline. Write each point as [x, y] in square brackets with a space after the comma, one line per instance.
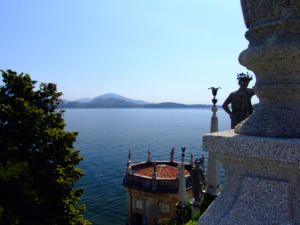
[152, 190]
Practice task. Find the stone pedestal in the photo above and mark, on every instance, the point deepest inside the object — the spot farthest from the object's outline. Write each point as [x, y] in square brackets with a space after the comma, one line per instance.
[214, 125]
[213, 166]
[213, 175]
[262, 179]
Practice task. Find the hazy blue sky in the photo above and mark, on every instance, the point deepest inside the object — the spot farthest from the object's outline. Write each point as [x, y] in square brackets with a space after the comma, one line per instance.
[154, 50]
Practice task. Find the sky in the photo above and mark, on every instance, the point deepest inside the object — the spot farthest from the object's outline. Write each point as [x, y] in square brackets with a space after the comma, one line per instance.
[152, 50]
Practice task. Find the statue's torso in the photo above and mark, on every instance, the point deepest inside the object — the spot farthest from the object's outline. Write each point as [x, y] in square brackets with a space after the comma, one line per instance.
[241, 102]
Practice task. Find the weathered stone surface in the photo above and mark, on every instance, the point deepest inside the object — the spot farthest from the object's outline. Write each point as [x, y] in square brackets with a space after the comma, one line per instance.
[262, 171]
[259, 12]
[273, 55]
[262, 179]
[213, 166]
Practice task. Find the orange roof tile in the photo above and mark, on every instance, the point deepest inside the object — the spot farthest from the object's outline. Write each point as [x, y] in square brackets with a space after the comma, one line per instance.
[163, 171]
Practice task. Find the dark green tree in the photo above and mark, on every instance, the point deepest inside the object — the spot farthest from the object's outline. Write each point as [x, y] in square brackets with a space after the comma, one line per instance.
[37, 159]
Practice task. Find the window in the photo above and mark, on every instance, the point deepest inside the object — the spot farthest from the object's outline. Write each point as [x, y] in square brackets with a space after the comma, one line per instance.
[164, 208]
[139, 204]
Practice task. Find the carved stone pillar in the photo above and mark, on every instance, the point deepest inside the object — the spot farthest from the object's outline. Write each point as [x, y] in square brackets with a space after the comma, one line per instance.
[273, 55]
[261, 157]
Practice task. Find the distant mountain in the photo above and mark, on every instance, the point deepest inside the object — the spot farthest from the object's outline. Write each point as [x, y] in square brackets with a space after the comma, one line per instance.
[100, 103]
[115, 96]
[83, 100]
[117, 101]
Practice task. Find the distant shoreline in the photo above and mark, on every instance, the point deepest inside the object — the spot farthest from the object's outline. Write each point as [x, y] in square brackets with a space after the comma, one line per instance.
[208, 107]
[152, 106]
[111, 101]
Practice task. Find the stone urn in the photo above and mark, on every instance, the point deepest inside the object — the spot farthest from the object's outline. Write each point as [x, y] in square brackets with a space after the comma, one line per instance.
[273, 55]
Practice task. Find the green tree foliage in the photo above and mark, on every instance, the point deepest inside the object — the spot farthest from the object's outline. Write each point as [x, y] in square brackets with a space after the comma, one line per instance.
[204, 204]
[183, 214]
[37, 159]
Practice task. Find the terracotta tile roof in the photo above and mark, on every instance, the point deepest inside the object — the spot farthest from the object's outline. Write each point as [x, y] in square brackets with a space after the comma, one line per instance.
[163, 171]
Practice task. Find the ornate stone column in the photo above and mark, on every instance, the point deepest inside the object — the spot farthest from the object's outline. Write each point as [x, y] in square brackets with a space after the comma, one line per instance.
[273, 55]
[261, 157]
[213, 166]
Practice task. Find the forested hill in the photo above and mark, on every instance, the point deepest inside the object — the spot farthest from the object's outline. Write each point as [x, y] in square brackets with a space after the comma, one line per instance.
[117, 101]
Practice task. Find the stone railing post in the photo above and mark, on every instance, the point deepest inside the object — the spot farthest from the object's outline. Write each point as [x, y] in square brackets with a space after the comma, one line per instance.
[213, 166]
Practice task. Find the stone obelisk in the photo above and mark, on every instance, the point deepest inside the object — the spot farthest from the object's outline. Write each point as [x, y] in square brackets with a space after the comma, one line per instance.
[261, 156]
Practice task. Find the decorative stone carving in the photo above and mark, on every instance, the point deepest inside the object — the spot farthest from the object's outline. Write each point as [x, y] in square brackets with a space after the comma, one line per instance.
[128, 169]
[240, 101]
[198, 181]
[273, 55]
[262, 182]
[149, 159]
[258, 12]
[172, 154]
[213, 166]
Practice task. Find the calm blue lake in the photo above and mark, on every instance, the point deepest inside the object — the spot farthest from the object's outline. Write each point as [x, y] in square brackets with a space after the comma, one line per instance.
[105, 137]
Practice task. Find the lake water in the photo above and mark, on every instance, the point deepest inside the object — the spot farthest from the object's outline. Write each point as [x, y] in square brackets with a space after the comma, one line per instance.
[105, 137]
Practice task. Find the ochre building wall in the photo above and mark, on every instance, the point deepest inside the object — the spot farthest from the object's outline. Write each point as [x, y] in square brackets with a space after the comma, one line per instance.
[151, 206]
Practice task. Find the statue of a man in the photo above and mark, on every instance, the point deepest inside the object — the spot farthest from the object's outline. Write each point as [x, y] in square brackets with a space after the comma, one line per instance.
[240, 101]
[198, 180]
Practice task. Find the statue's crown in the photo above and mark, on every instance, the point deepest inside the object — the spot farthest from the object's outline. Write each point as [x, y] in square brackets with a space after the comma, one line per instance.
[198, 162]
[244, 76]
